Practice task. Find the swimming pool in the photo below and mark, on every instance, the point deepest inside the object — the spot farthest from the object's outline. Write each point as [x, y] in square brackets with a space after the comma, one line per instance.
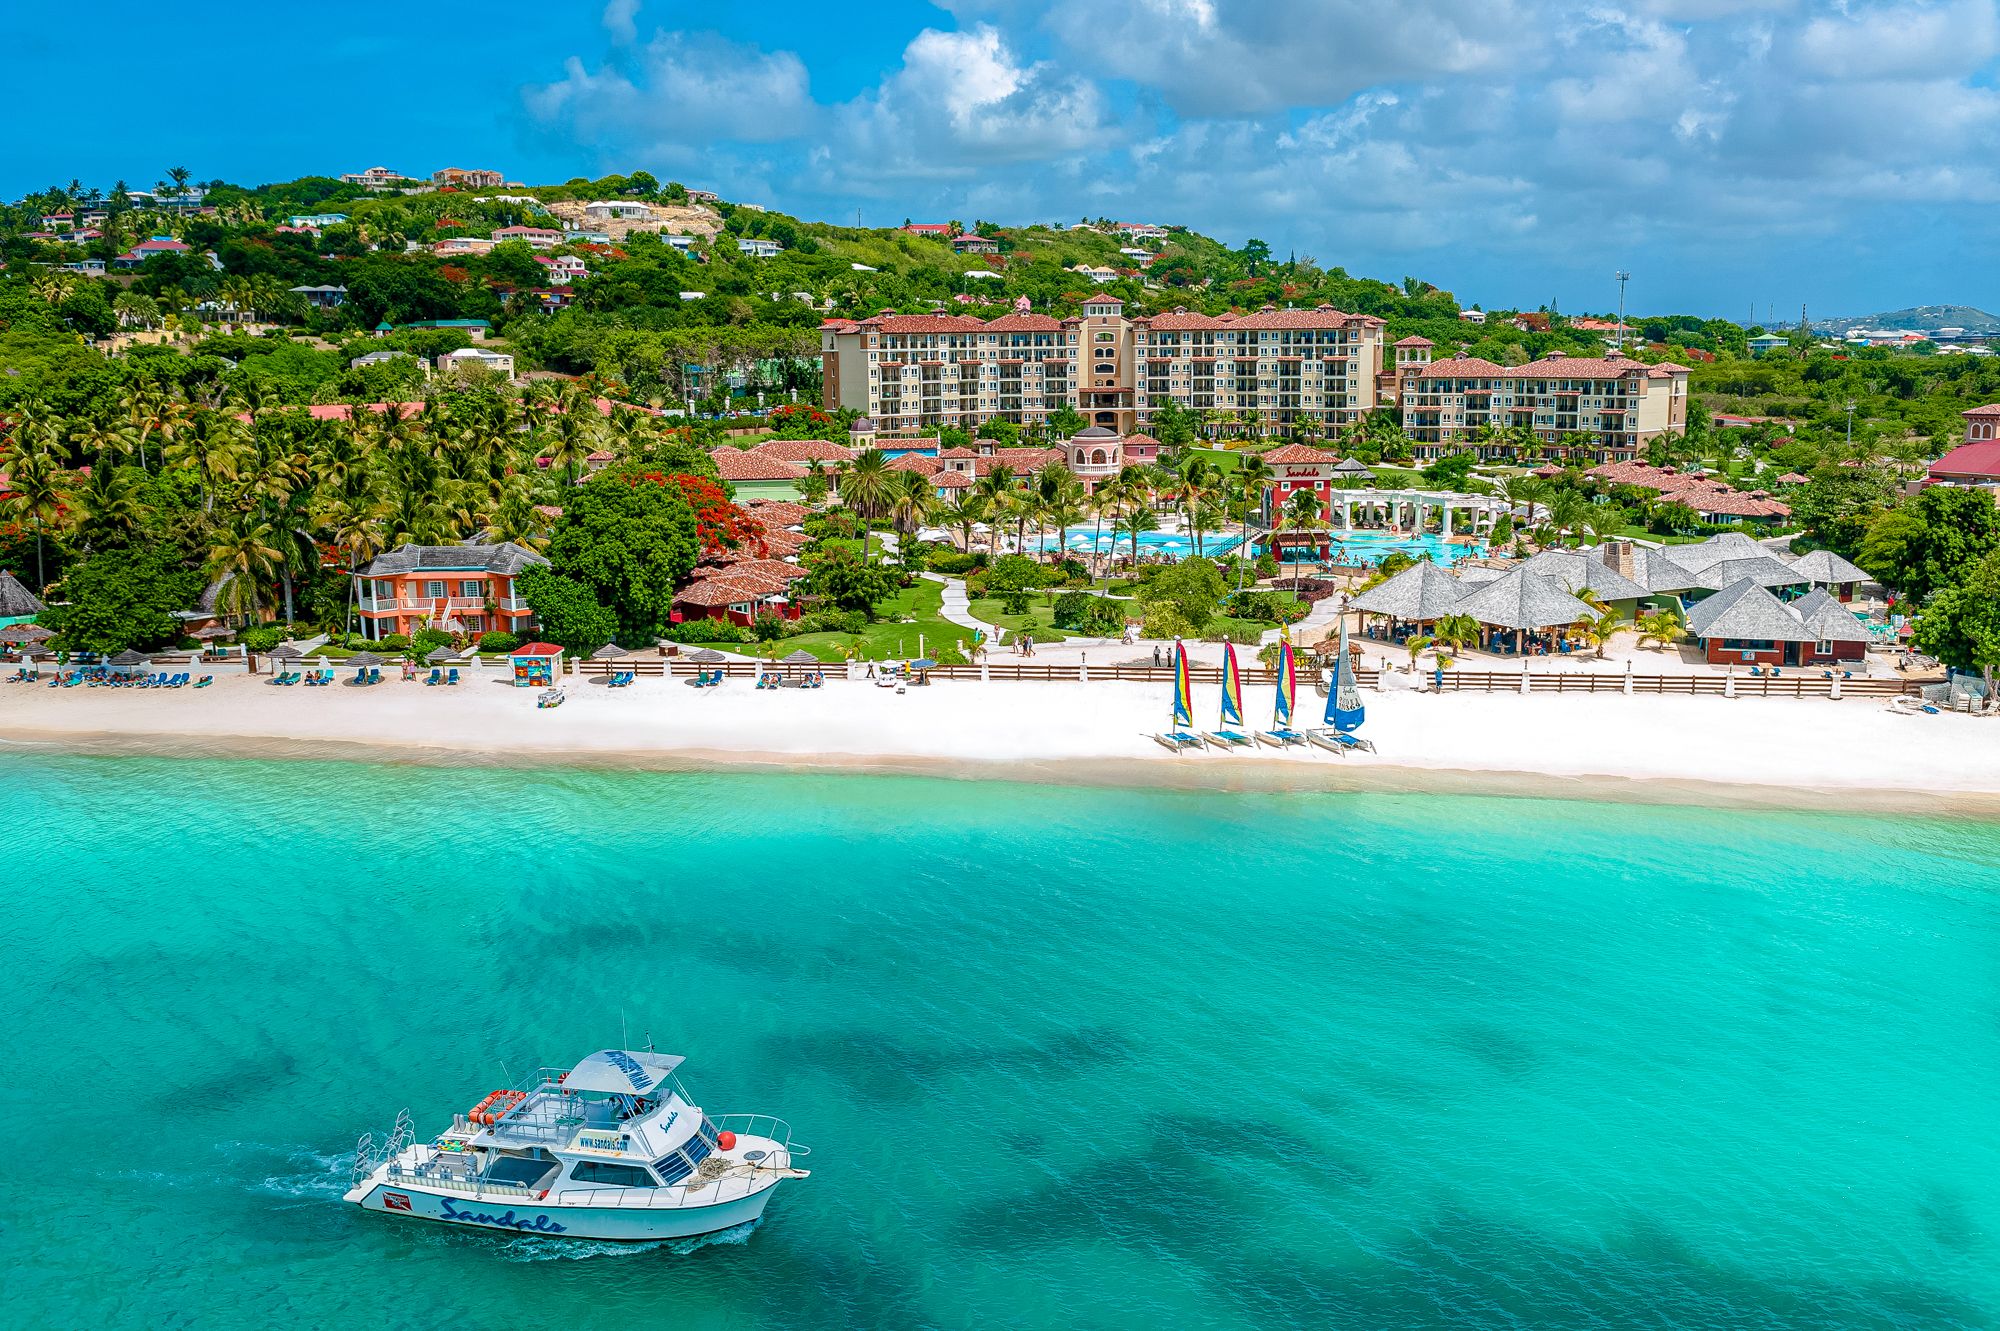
[1079, 541]
[1349, 547]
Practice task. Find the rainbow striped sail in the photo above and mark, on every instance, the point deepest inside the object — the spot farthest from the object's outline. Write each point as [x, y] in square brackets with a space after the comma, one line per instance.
[1183, 686]
[1232, 687]
[1288, 687]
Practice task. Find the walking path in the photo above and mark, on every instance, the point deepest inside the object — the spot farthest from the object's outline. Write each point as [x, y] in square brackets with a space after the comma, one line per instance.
[957, 606]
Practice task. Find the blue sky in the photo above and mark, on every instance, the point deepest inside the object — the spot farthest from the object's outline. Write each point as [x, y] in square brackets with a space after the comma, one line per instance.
[1730, 153]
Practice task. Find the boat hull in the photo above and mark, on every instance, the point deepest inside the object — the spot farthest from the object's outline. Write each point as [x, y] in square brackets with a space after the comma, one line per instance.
[526, 1215]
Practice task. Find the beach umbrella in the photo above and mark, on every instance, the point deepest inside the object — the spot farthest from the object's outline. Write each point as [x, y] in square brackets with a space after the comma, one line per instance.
[37, 654]
[364, 659]
[610, 651]
[284, 651]
[25, 633]
[212, 632]
[128, 657]
[705, 655]
[439, 655]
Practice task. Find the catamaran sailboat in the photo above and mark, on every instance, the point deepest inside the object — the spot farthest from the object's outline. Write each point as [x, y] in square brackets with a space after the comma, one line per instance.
[613, 1148]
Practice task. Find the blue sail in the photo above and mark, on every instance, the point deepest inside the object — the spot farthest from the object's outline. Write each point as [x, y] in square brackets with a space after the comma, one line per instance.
[1344, 711]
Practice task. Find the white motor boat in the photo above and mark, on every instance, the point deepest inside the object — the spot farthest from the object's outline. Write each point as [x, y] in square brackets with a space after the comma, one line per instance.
[613, 1149]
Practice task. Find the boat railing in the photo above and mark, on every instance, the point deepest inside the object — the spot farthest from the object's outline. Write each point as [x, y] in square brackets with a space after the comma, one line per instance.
[726, 1189]
[471, 1184]
[759, 1125]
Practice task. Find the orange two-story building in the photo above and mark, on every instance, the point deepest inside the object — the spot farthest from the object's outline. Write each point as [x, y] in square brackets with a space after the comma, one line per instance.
[464, 588]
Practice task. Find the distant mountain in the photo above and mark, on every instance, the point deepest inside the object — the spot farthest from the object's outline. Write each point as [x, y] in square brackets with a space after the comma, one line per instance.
[1919, 318]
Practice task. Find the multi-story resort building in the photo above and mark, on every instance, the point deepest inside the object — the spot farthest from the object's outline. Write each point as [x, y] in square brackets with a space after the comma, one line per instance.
[924, 372]
[1582, 408]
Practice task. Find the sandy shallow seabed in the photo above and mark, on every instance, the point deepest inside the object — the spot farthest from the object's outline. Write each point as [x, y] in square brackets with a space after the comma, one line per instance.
[1767, 752]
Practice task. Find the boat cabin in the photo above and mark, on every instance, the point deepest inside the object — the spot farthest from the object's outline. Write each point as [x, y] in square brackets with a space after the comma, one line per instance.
[618, 1119]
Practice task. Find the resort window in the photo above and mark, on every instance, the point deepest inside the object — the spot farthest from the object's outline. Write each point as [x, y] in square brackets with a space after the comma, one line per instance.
[434, 589]
[471, 589]
[616, 1176]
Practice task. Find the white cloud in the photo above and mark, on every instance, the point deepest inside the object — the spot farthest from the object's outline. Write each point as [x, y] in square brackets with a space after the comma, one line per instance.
[678, 92]
[960, 103]
[621, 21]
[1906, 41]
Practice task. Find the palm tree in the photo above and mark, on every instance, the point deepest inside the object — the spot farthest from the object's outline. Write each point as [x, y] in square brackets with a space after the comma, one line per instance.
[1303, 513]
[962, 515]
[1567, 509]
[1253, 476]
[1135, 521]
[1457, 632]
[38, 491]
[1598, 630]
[1525, 492]
[867, 486]
[911, 501]
[241, 557]
[1661, 627]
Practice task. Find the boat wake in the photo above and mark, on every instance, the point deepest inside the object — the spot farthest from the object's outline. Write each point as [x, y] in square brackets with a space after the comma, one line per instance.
[302, 1171]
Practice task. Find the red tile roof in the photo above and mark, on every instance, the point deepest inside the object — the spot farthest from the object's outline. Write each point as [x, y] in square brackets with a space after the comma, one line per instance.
[951, 480]
[804, 450]
[1024, 323]
[1991, 409]
[1979, 460]
[735, 464]
[1298, 455]
[774, 513]
[1415, 341]
[920, 463]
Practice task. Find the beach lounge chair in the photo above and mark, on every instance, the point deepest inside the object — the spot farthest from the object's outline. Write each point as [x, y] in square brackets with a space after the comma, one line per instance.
[360, 676]
[374, 674]
[452, 678]
[437, 676]
[180, 680]
[204, 681]
[1756, 670]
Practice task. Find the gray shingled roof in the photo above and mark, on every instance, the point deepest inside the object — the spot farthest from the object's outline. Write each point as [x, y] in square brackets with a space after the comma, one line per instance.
[1573, 572]
[16, 601]
[1659, 572]
[1745, 610]
[505, 557]
[1421, 591]
[1825, 568]
[1765, 570]
[1523, 600]
[1728, 545]
[1827, 619]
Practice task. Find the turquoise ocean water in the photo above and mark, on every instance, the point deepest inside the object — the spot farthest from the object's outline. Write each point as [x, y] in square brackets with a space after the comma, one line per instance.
[1065, 1057]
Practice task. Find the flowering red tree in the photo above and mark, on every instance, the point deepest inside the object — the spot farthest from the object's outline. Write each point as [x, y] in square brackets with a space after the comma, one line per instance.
[719, 522]
[798, 421]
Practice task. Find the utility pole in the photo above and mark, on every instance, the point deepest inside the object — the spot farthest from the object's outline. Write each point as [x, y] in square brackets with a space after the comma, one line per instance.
[1623, 278]
[1850, 422]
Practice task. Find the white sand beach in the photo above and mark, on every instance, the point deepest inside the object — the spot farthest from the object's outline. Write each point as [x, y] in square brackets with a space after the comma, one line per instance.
[1612, 746]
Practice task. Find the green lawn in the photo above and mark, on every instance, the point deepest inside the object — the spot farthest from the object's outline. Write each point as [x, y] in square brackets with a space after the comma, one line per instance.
[880, 641]
[1039, 620]
[1221, 459]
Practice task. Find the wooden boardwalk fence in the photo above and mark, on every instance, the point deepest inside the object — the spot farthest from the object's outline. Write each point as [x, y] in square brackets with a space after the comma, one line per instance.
[1800, 684]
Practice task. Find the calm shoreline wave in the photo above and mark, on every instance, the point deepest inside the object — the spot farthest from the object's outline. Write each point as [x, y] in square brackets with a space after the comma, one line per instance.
[1246, 774]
